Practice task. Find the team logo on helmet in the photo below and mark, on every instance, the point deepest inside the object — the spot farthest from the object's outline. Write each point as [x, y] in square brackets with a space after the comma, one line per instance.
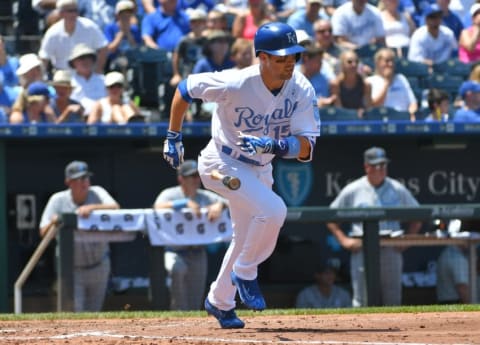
[294, 181]
[292, 37]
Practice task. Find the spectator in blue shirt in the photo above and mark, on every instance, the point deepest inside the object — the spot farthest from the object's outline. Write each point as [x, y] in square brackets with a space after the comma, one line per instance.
[164, 28]
[8, 95]
[470, 93]
[8, 66]
[122, 35]
[216, 52]
[304, 18]
[311, 66]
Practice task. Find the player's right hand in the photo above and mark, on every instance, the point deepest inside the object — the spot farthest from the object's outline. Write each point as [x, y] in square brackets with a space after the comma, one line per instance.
[254, 145]
[173, 149]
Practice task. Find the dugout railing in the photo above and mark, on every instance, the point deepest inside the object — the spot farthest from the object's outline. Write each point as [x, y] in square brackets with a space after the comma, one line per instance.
[370, 218]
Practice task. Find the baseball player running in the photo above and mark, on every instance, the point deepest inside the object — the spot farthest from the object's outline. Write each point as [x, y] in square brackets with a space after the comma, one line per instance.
[263, 111]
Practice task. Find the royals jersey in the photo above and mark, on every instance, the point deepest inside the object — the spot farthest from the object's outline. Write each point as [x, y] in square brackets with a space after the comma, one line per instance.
[245, 104]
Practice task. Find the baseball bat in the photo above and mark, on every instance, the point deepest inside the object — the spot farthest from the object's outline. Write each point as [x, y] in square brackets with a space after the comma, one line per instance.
[231, 182]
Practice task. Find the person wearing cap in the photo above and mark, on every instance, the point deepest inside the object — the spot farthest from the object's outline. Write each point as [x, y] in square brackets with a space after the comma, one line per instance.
[357, 23]
[449, 18]
[187, 265]
[190, 48]
[324, 293]
[303, 18]
[91, 261]
[88, 85]
[36, 108]
[60, 39]
[248, 21]
[66, 109]
[374, 189]
[262, 111]
[164, 28]
[113, 108]
[216, 57]
[469, 91]
[433, 42]
[124, 33]
[29, 69]
[216, 52]
[469, 42]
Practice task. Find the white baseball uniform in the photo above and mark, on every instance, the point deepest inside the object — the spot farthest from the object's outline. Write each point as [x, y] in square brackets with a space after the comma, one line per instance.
[245, 104]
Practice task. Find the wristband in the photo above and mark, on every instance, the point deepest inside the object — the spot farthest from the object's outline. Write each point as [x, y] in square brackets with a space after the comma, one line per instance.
[288, 147]
[179, 204]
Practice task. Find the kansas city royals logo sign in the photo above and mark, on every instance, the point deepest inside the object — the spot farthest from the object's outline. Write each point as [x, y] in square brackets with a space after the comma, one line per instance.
[293, 181]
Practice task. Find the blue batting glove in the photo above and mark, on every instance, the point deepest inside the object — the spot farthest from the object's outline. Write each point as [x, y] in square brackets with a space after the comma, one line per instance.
[173, 149]
[254, 145]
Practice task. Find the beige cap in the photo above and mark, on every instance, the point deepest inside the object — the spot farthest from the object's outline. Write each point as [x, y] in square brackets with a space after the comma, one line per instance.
[28, 62]
[65, 3]
[81, 49]
[113, 78]
[196, 14]
[315, 2]
[124, 5]
[62, 78]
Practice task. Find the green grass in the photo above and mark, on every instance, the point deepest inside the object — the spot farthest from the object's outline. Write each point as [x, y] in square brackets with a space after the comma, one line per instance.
[268, 312]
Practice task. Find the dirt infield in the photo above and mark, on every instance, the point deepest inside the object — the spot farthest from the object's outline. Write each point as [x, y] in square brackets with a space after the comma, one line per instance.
[358, 329]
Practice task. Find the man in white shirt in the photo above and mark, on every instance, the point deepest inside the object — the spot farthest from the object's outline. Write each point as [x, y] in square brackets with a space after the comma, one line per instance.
[61, 37]
[356, 24]
[432, 43]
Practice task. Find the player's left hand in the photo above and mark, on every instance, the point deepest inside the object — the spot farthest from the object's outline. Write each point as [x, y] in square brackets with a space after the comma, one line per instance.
[173, 149]
[254, 145]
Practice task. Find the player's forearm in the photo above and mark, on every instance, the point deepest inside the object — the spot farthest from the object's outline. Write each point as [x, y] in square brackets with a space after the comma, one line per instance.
[177, 111]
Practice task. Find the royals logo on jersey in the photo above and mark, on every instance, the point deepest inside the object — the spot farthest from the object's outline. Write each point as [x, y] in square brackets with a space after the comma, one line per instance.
[293, 181]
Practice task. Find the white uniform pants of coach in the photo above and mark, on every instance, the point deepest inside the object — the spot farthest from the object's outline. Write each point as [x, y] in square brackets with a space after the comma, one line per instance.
[391, 265]
[257, 215]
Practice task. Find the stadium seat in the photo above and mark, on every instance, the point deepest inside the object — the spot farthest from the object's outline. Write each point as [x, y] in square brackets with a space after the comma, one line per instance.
[368, 50]
[447, 82]
[453, 67]
[338, 114]
[151, 73]
[386, 114]
[412, 69]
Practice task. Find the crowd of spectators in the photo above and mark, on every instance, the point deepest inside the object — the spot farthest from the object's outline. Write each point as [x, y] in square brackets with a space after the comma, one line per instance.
[362, 54]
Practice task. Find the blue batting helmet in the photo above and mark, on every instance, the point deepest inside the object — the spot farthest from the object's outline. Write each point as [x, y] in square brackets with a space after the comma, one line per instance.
[276, 39]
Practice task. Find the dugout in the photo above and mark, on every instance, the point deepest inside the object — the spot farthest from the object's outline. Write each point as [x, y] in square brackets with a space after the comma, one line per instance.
[435, 163]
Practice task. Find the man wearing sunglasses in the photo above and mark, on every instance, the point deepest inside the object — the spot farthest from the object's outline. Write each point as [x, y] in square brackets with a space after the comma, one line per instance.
[90, 259]
[374, 189]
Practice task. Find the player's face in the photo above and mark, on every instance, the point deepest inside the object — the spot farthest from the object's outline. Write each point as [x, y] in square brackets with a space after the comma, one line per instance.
[281, 67]
[376, 173]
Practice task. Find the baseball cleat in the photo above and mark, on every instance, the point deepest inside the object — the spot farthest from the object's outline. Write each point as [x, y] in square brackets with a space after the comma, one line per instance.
[227, 319]
[249, 292]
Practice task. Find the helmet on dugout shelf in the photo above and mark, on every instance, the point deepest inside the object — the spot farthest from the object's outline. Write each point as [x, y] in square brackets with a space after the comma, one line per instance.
[277, 39]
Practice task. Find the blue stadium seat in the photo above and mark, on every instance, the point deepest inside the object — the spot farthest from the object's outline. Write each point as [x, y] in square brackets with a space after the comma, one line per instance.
[411, 69]
[368, 50]
[338, 114]
[453, 67]
[447, 82]
[386, 114]
[152, 71]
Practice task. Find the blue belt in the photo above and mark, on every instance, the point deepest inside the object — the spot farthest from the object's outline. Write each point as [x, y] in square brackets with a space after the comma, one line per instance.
[241, 158]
